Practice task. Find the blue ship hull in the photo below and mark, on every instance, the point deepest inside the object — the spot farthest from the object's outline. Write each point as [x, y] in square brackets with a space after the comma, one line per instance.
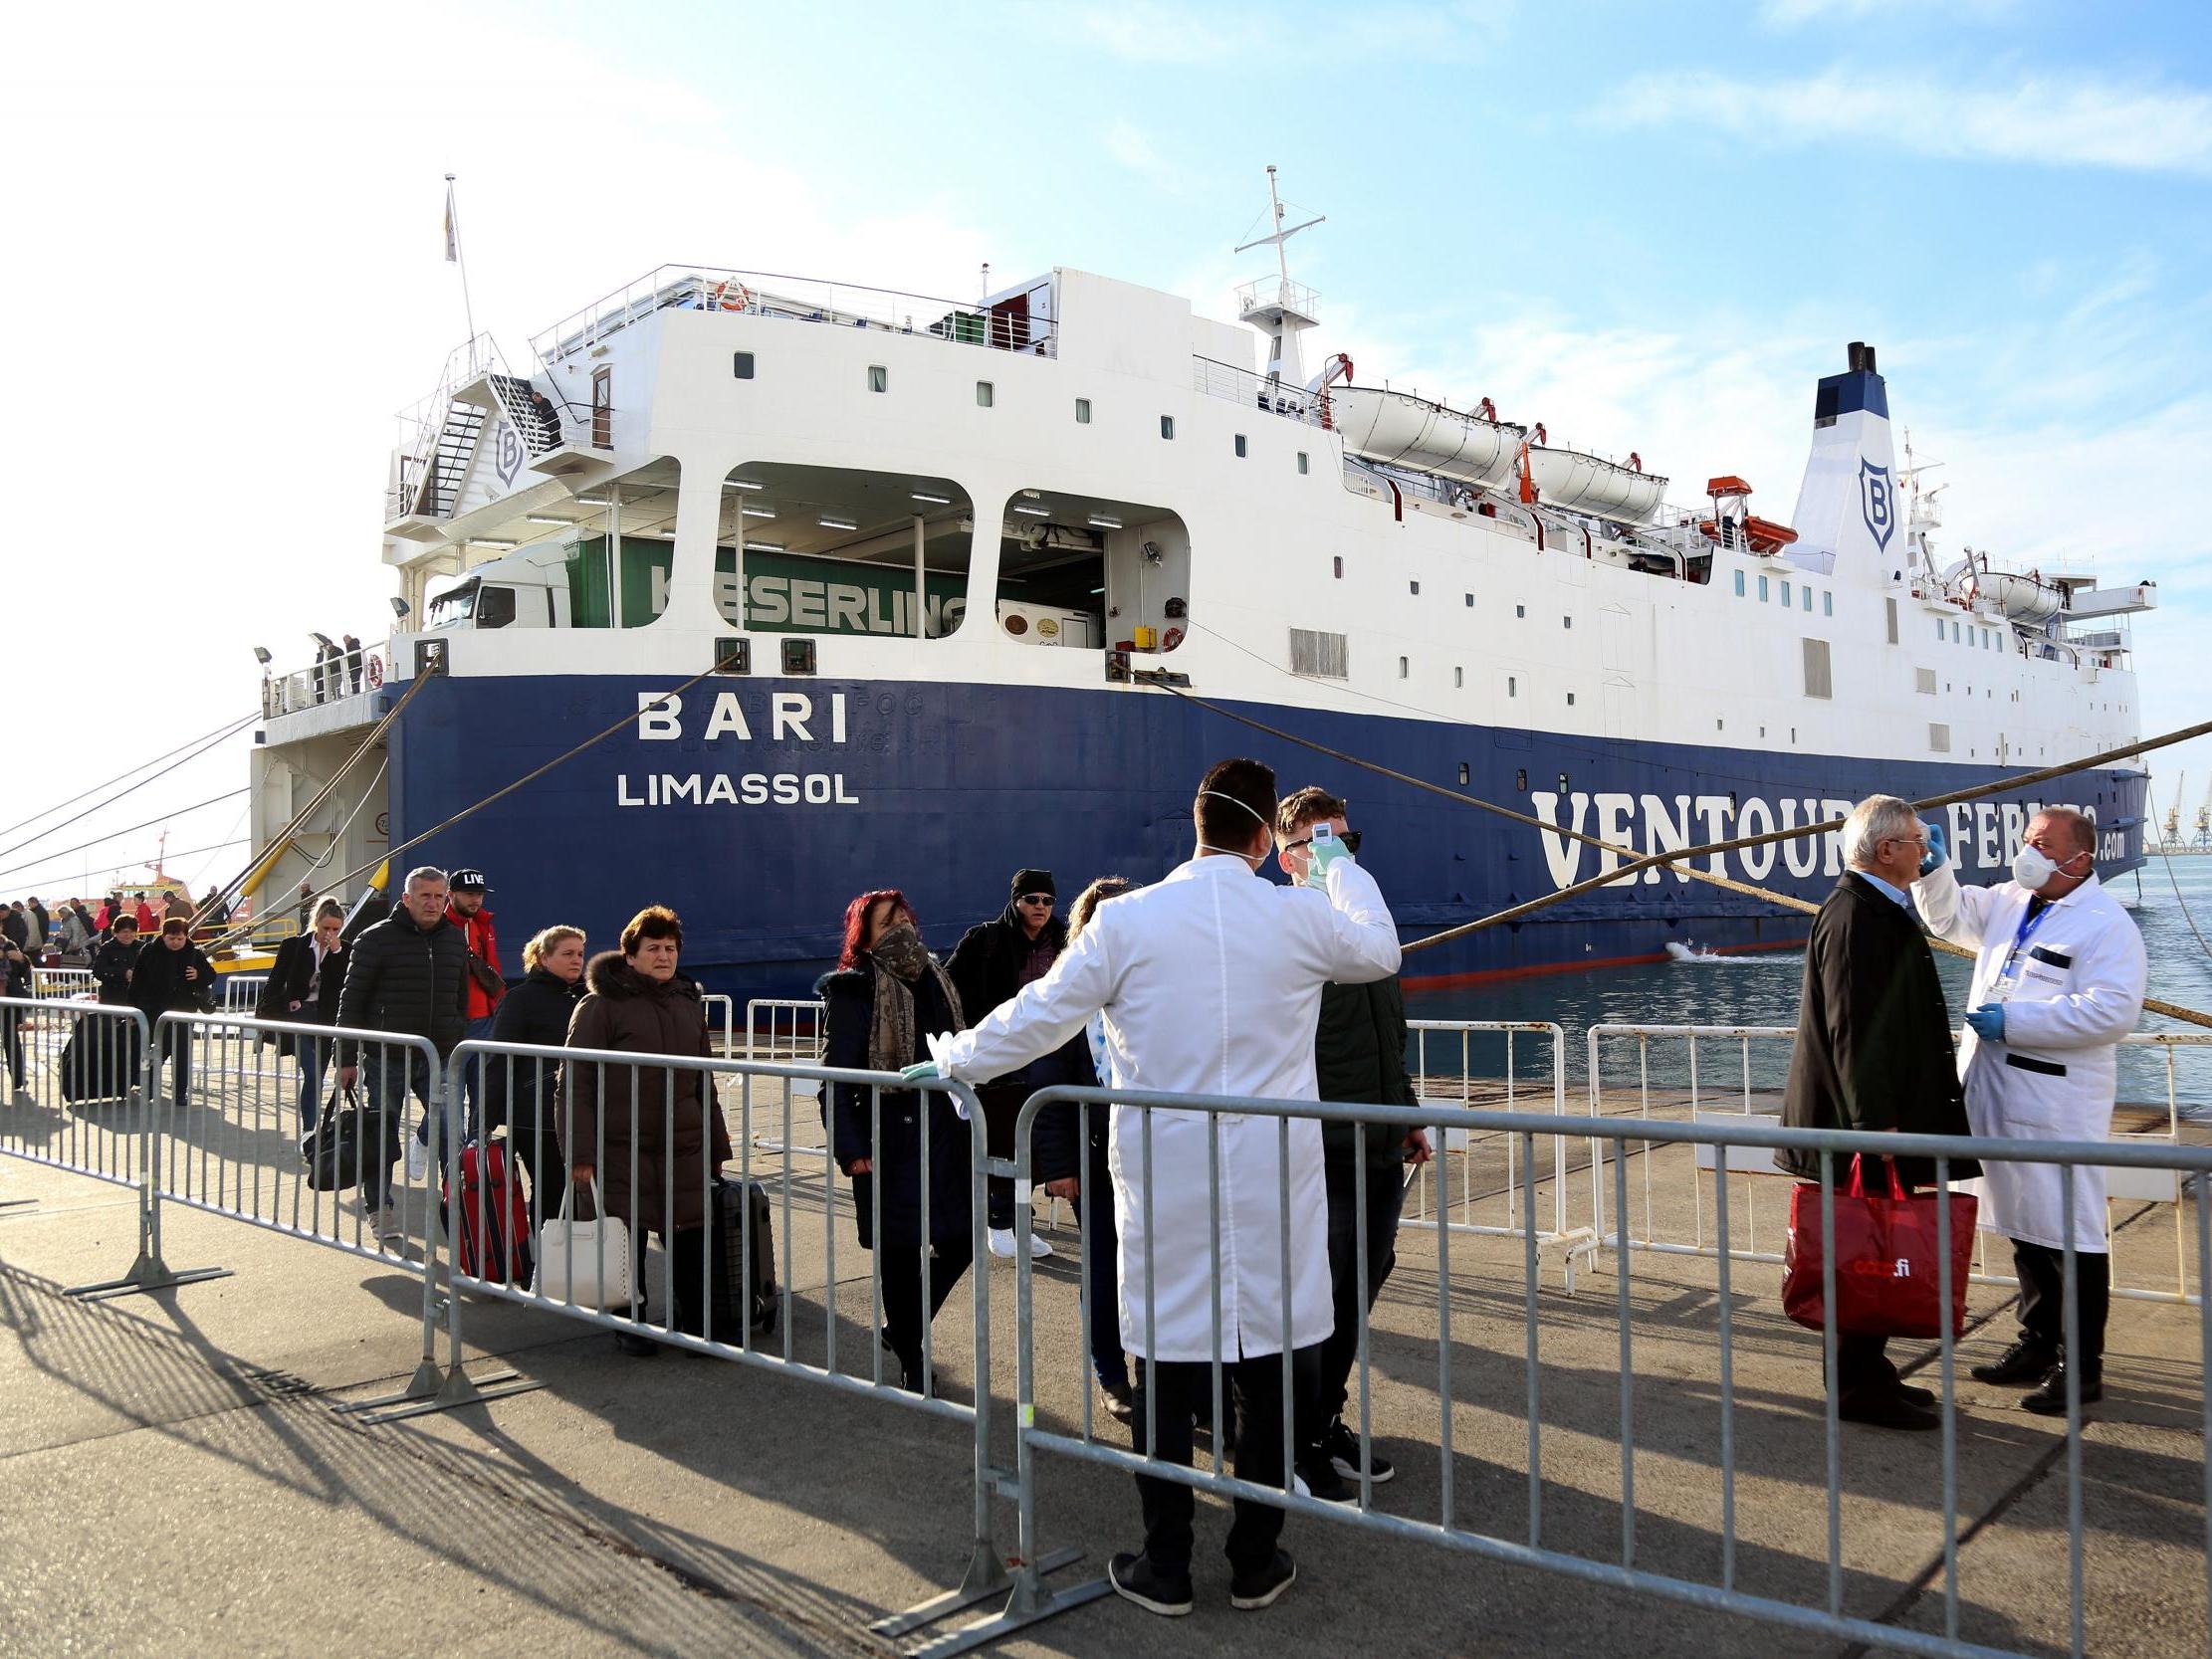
[757, 836]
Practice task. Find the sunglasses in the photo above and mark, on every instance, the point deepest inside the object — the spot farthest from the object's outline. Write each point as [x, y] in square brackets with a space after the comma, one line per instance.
[1034, 898]
[1350, 840]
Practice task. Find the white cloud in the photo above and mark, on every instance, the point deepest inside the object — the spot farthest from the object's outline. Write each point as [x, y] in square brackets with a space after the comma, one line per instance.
[1128, 144]
[1148, 32]
[2078, 123]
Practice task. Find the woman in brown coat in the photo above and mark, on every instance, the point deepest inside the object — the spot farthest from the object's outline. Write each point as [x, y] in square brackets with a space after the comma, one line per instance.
[652, 1136]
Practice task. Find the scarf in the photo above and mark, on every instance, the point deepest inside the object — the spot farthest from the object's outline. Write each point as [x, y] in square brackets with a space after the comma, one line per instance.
[901, 959]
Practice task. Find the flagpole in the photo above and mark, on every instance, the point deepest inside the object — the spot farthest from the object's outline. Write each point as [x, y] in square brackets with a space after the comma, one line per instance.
[453, 255]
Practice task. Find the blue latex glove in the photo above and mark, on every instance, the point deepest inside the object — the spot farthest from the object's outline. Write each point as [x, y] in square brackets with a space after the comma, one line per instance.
[1326, 852]
[1988, 1022]
[1939, 851]
[925, 1072]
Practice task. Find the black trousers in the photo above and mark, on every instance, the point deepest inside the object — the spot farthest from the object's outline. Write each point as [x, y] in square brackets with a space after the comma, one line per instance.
[1002, 1104]
[1863, 1366]
[902, 1292]
[1385, 1199]
[177, 1047]
[686, 1251]
[538, 1158]
[11, 1024]
[1178, 1387]
[2042, 1274]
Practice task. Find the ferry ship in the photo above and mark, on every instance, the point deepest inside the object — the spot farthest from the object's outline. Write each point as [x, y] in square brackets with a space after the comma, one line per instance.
[963, 566]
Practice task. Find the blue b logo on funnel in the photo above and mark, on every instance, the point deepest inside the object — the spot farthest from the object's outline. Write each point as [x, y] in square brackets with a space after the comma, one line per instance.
[1877, 502]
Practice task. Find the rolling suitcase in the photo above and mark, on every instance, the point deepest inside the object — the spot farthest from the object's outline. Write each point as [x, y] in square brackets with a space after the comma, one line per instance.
[100, 1061]
[490, 1238]
[760, 1302]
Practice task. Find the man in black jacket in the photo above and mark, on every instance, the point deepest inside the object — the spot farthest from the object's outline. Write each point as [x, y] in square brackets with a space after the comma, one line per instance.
[990, 965]
[112, 962]
[1873, 1052]
[1359, 1054]
[408, 975]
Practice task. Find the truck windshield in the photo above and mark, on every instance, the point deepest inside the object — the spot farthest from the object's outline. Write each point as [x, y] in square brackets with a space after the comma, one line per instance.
[454, 605]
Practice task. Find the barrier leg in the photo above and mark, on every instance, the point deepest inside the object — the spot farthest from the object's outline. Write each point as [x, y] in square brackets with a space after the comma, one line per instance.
[434, 1387]
[149, 1272]
[1029, 1599]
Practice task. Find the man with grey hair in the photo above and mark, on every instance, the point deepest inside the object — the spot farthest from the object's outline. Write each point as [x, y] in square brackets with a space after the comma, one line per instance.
[2058, 981]
[1874, 1052]
[410, 975]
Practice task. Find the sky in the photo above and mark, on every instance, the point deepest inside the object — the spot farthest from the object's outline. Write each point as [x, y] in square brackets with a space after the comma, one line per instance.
[1652, 226]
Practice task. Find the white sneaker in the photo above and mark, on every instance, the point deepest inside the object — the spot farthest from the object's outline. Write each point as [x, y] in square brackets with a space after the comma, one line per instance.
[418, 1162]
[1002, 1243]
[1038, 1248]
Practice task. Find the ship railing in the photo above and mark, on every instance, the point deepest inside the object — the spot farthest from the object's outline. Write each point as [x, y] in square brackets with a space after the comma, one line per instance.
[349, 674]
[797, 299]
[1257, 391]
[1734, 1073]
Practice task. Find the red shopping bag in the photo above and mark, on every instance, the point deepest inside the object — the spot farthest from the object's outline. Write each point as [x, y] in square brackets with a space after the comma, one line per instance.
[1886, 1260]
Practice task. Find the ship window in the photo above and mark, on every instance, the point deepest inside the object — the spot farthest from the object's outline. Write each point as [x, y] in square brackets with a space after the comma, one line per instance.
[879, 378]
[1785, 595]
[802, 550]
[1167, 425]
[1939, 738]
[1072, 565]
[1415, 587]
[628, 588]
[1828, 603]
[1464, 776]
[1520, 610]
[1512, 686]
[741, 364]
[1819, 681]
[984, 394]
[1762, 590]
[1807, 602]
[1520, 779]
[1740, 584]
[1315, 652]
[1566, 622]
[1939, 627]
[1339, 562]
[1301, 461]
[1402, 668]
[1893, 608]
[1082, 411]
[1240, 445]
[1459, 678]
[1470, 601]
[1570, 700]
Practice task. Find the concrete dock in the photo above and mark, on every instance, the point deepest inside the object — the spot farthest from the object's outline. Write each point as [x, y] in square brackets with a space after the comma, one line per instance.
[173, 1477]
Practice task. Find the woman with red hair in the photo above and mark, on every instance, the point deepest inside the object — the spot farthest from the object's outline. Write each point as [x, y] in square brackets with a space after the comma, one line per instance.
[880, 1006]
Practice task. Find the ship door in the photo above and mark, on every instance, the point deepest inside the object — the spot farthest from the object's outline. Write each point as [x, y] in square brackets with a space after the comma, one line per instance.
[603, 407]
[1617, 698]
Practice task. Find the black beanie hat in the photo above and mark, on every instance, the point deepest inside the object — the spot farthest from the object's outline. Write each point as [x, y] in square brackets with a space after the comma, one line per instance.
[1033, 881]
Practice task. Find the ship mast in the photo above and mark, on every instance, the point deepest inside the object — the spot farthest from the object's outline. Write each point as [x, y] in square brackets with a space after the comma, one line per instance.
[1282, 310]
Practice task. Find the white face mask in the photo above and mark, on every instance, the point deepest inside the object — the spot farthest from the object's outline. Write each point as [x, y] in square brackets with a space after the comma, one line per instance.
[2031, 869]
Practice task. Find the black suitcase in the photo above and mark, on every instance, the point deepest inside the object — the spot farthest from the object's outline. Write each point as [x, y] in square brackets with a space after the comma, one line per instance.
[101, 1060]
[761, 1301]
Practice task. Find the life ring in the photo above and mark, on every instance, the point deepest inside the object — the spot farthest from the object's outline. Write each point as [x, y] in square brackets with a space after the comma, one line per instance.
[1170, 639]
[722, 296]
[375, 672]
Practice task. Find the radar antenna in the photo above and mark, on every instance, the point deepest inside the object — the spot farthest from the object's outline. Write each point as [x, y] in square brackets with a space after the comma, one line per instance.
[1284, 309]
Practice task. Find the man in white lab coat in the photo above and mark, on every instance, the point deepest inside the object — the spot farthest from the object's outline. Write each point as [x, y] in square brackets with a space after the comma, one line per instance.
[1210, 981]
[2058, 982]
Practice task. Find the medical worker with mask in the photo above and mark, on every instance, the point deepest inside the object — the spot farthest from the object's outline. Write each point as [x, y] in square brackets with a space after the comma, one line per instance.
[2058, 982]
[1210, 981]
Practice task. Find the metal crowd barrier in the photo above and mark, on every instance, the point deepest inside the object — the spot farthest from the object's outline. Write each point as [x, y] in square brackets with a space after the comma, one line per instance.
[241, 991]
[1031, 1600]
[786, 1029]
[648, 1086]
[58, 983]
[723, 1004]
[1747, 1087]
[75, 1099]
[1451, 1045]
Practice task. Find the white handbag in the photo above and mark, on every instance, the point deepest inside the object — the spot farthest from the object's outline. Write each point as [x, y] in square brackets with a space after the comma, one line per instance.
[585, 1263]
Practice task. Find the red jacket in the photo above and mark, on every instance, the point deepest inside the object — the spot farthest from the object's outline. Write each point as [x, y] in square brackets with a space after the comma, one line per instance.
[482, 942]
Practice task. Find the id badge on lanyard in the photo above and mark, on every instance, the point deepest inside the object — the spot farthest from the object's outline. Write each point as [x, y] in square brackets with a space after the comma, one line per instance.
[2008, 976]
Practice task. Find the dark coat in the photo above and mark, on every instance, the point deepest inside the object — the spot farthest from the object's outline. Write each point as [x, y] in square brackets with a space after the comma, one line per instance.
[159, 985]
[1874, 1036]
[289, 978]
[401, 977]
[636, 1016]
[848, 1012]
[1359, 1054]
[112, 970]
[517, 1091]
[986, 969]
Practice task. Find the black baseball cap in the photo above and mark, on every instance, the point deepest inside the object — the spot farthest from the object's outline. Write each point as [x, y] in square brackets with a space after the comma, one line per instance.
[472, 878]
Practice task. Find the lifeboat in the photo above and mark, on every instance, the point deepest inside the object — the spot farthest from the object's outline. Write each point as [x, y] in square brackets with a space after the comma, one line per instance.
[1579, 483]
[2021, 598]
[1761, 535]
[1407, 431]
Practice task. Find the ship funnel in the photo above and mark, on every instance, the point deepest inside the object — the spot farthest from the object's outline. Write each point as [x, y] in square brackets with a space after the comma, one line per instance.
[1847, 506]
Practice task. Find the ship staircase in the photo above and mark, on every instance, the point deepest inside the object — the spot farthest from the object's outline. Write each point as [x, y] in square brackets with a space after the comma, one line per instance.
[558, 442]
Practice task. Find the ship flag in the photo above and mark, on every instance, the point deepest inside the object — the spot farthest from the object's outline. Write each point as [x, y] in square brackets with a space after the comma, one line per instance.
[452, 226]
